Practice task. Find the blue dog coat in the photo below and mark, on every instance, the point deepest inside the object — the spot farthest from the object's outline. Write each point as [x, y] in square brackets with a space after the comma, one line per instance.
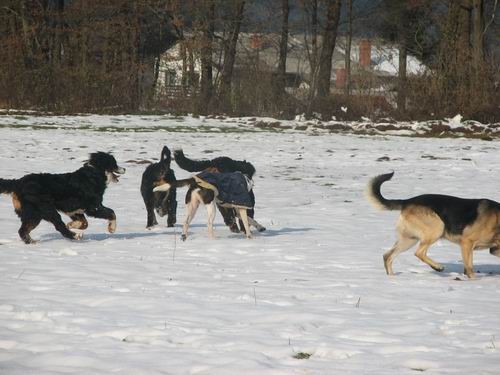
[232, 188]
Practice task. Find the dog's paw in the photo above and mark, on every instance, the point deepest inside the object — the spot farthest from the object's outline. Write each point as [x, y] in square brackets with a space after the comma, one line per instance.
[470, 274]
[78, 236]
[183, 237]
[234, 228]
[73, 225]
[112, 226]
[438, 268]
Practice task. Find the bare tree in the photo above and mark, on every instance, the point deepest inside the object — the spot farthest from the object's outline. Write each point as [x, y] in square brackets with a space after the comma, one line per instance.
[208, 31]
[327, 48]
[230, 55]
[347, 89]
[478, 29]
[455, 49]
[281, 74]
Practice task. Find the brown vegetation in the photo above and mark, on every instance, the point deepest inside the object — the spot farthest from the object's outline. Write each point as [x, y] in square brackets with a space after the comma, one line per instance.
[94, 56]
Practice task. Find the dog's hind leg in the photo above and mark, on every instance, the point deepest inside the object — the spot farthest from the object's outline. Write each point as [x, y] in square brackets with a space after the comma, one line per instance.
[421, 253]
[27, 225]
[430, 229]
[52, 216]
[210, 220]
[191, 211]
[402, 244]
[242, 212]
[423, 225]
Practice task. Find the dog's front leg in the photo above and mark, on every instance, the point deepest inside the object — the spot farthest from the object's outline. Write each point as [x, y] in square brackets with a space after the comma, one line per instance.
[257, 226]
[150, 210]
[102, 212]
[172, 207]
[467, 248]
[244, 217]
[229, 216]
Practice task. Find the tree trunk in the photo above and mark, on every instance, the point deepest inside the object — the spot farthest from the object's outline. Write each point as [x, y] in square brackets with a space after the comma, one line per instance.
[206, 89]
[401, 101]
[59, 33]
[313, 57]
[403, 39]
[477, 29]
[329, 39]
[347, 89]
[193, 81]
[280, 83]
[314, 38]
[230, 57]
[156, 73]
[455, 51]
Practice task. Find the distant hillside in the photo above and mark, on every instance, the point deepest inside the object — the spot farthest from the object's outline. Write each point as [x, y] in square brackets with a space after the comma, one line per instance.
[365, 14]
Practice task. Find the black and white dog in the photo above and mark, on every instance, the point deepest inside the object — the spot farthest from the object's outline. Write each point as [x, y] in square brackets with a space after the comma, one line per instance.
[39, 196]
[228, 190]
[222, 164]
[164, 203]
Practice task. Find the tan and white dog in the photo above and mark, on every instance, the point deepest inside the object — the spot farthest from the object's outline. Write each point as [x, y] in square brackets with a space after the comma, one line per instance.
[473, 224]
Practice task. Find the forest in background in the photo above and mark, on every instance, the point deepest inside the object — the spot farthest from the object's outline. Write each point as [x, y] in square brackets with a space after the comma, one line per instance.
[104, 56]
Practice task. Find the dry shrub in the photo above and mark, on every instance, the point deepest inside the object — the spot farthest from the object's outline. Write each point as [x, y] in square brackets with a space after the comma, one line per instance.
[472, 91]
[352, 107]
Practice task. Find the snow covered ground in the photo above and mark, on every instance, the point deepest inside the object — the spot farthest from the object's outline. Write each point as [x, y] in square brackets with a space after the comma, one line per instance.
[308, 296]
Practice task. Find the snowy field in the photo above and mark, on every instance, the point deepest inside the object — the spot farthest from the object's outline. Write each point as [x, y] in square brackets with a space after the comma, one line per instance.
[308, 296]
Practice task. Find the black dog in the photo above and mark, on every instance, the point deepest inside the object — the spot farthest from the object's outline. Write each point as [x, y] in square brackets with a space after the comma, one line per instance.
[164, 203]
[222, 164]
[39, 196]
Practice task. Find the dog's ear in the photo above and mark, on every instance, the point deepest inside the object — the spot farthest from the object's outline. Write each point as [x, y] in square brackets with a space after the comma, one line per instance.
[165, 154]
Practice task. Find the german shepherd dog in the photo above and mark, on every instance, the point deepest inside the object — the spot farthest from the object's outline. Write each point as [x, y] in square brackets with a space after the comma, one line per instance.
[165, 203]
[199, 193]
[222, 164]
[471, 223]
[39, 196]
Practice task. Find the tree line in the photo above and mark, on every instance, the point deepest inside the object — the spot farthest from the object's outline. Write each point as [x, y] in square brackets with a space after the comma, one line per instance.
[105, 56]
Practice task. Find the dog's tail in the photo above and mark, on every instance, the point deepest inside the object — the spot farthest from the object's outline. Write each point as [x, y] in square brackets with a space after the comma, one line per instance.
[190, 165]
[7, 186]
[166, 156]
[175, 184]
[374, 196]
